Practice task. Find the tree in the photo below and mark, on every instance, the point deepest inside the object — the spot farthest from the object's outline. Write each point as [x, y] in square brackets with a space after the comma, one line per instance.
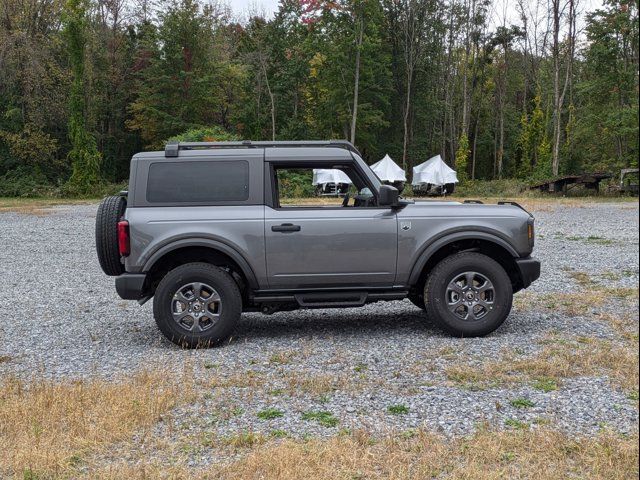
[84, 155]
[559, 85]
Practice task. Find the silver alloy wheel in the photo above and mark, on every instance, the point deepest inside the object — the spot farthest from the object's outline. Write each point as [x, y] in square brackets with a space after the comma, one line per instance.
[470, 296]
[196, 307]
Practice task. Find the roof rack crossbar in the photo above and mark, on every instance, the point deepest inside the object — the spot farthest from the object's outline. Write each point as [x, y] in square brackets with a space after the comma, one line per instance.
[172, 149]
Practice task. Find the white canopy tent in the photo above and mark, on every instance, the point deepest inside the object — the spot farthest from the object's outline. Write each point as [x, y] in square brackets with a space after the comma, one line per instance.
[435, 172]
[388, 171]
[322, 176]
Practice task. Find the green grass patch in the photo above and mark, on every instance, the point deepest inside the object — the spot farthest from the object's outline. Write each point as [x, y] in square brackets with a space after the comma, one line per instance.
[546, 384]
[269, 414]
[324, 418]
[398, 409]
[517, 424]
[521, 403]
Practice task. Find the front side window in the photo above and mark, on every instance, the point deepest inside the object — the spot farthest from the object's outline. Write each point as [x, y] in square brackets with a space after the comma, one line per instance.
[198, 182]
[333, 186]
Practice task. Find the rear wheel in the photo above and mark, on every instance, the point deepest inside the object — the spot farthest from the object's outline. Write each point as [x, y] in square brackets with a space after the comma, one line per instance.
[109, 213]
[468, 294]
[197, 305]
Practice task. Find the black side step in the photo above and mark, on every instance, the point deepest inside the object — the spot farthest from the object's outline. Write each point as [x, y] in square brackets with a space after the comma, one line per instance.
[331, 299]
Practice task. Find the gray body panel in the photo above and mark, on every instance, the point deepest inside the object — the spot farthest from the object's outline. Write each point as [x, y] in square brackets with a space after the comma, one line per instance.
[335, 247]
[432, 223]
[156, 230]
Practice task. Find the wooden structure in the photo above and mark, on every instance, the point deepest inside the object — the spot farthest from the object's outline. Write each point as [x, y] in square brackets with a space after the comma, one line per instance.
[563, 184]
[629, 184]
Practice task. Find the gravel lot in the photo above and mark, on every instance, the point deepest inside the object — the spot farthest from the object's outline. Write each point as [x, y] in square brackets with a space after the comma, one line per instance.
[62, 319]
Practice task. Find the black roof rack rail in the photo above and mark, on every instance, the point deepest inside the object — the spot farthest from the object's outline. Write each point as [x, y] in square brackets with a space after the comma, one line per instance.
[172, 149]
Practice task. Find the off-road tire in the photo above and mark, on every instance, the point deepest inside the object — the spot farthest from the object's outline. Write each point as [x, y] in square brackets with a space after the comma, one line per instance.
[109, 214]
[446, 271]
[218, 279]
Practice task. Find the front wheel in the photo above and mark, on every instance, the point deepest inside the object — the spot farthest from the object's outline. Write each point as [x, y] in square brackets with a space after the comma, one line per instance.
[197, 305]
[468, 294]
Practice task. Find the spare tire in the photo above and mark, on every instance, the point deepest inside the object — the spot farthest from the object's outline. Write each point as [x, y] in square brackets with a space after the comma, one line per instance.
[109, 214]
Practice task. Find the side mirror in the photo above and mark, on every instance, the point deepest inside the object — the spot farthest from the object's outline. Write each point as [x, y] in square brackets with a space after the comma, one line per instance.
[388, 196]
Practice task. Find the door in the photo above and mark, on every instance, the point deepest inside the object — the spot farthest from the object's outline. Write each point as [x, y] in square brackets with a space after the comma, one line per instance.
[319, 242]
[330, 247]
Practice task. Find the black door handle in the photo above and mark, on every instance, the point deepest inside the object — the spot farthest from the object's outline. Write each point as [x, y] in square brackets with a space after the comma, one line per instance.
[286, 227]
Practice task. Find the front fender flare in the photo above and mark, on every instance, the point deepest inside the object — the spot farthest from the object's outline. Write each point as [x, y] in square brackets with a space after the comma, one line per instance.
[448, 238]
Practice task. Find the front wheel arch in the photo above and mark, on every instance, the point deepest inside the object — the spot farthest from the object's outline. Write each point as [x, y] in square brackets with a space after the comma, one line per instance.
[493, 247]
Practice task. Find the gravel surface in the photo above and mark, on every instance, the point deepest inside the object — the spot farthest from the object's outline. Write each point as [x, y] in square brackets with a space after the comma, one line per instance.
[62, 319]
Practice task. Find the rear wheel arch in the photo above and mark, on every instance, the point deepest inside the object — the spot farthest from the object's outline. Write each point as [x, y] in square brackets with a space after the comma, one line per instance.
[199, 250]
[487, 244]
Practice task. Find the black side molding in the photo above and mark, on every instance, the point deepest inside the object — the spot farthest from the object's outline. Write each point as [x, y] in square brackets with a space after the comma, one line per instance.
[529, 268]
[130, 286]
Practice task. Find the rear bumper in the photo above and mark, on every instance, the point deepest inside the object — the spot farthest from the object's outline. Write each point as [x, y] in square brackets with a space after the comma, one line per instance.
[130, 286]
[529, 270]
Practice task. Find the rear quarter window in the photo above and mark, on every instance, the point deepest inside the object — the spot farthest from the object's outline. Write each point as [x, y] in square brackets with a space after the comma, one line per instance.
[198, 182]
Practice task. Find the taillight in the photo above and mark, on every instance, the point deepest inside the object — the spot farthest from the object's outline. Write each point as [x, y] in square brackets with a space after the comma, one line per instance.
[124, 247]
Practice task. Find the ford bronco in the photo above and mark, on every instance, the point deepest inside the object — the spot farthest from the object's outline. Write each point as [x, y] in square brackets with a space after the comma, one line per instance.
[209, 230]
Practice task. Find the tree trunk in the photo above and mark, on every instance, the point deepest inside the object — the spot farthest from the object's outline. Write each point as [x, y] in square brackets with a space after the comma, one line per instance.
[356, 83]
[406, 119]
[555, 162]
[272, 99]
[473, 154]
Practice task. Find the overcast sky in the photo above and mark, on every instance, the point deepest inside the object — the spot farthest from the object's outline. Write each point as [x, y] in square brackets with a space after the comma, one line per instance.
[500, 7]
[242, 7]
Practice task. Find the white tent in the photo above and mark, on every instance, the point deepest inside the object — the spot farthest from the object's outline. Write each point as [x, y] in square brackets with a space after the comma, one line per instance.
[329, 175]
[434, 171]
[388, 171]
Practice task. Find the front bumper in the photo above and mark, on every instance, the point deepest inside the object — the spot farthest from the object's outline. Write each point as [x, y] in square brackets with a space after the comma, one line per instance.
[130, 286]
[529, 270]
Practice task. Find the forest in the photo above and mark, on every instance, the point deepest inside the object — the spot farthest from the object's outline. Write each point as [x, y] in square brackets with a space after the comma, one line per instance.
[526, 90]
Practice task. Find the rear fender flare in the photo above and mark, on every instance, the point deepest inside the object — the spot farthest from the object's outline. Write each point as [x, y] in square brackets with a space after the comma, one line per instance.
[209, 243]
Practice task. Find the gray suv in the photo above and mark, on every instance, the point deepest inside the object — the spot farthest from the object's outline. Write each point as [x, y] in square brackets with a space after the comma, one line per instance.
[211, 230]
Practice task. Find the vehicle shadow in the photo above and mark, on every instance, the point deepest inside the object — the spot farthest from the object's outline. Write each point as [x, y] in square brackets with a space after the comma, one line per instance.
[333, 322]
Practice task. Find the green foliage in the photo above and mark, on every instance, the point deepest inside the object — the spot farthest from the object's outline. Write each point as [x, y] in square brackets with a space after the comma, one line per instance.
[84, 155]
[76, 102]
[462, 158]
[492, 188]
[205, 134]
[295, 183]
[533, 143]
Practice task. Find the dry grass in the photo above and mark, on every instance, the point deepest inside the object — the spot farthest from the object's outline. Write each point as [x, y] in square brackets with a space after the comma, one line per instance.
[103, 430]
[539, 454]
[36, 206]
[574, 304]
[47, 428]
[301, 383]
[558, 359]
